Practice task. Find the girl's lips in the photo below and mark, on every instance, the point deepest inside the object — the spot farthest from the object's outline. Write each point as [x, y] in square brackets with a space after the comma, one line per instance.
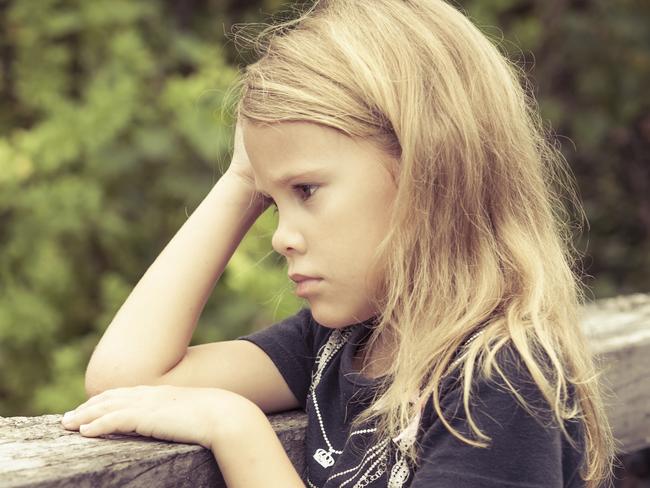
[307, 287]
[297, 277]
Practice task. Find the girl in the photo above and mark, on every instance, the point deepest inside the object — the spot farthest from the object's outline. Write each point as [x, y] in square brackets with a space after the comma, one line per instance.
[420, 217]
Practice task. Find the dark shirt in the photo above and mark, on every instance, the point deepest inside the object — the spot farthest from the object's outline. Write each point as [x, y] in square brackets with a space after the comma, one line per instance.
[316, 363]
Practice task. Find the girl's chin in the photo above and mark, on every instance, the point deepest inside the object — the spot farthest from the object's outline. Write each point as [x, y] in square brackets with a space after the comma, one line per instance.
[335, 318]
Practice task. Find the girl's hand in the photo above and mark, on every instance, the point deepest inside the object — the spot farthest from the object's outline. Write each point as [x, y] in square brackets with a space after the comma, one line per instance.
[171, 413]
[240, 165]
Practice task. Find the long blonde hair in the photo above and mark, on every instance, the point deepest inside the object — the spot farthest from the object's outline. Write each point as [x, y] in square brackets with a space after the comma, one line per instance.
[479, 239]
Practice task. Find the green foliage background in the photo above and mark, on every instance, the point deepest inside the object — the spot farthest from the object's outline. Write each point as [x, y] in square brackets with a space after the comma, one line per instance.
[112, 130]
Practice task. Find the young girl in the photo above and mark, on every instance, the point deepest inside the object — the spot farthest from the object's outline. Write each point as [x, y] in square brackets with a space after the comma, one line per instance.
[420, 218]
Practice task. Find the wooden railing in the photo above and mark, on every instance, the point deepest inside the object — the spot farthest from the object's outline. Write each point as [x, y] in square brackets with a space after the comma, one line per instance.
[38, 451]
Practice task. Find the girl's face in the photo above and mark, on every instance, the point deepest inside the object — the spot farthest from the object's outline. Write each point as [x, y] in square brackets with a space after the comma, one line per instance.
[334, 197]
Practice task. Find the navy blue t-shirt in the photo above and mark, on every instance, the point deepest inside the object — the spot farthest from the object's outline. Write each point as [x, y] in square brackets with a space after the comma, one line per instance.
[316, 363]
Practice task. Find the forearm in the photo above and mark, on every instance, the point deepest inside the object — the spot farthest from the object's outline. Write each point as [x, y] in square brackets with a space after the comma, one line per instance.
[152, 329]
[249, 453]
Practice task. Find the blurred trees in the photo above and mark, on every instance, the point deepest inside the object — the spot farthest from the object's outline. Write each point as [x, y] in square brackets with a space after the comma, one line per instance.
[112, 133]
[590, 64]
[113, 129]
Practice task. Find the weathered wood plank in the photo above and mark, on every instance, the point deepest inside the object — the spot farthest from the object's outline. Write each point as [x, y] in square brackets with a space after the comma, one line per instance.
[39, 452]
[619, 333]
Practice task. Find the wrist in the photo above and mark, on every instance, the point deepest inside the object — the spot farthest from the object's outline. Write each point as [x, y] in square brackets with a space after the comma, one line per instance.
[233, 420]
[243, 192]
[249, 452]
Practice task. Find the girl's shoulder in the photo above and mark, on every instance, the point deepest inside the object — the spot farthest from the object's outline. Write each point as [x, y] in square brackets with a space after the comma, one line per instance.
[510, 389]
[518, 426]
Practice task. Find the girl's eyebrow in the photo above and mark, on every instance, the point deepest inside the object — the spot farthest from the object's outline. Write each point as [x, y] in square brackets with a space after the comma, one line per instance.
[288, 177]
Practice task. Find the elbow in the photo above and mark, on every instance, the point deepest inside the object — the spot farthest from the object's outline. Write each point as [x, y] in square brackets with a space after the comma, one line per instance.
[109, 370]
[92, 388]
[95, 383]
[102, 373]
[98, 380]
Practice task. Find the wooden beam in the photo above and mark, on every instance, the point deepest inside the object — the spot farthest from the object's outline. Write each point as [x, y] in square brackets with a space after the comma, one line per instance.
[619, 333]
[39, 452]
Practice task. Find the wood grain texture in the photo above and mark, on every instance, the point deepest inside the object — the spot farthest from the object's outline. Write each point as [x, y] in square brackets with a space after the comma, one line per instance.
[39, 452]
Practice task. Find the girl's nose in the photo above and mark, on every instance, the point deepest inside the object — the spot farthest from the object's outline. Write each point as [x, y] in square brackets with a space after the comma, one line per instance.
[287, 240]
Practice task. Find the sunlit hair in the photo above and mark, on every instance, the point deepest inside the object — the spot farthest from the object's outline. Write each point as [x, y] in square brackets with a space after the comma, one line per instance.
[480, 239]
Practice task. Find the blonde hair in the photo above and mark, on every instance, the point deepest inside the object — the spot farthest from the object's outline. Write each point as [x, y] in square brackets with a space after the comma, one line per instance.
[479, 239]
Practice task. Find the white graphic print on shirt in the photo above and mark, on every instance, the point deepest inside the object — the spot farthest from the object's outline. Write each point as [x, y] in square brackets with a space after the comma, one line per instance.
[374, 462]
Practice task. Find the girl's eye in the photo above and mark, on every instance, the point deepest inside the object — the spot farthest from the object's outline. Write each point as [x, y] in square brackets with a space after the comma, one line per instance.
[305, 192]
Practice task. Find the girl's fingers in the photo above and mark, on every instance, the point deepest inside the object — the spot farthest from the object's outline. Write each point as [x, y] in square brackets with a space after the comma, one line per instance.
[118, 422]
[86, 414]
[99, 405]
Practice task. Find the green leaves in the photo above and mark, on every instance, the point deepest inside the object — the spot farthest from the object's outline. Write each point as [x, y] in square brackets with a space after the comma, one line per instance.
[112, 130]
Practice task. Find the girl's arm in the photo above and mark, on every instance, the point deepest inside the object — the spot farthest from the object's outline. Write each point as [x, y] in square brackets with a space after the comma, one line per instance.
[249, 453]
[151, 331]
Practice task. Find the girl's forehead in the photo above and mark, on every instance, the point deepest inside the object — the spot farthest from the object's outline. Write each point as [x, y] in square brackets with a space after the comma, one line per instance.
[291, 137]
[287, 148]
[284, 152]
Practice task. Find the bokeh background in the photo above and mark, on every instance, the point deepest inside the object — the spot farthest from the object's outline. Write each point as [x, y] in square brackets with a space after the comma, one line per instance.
[114, 125]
